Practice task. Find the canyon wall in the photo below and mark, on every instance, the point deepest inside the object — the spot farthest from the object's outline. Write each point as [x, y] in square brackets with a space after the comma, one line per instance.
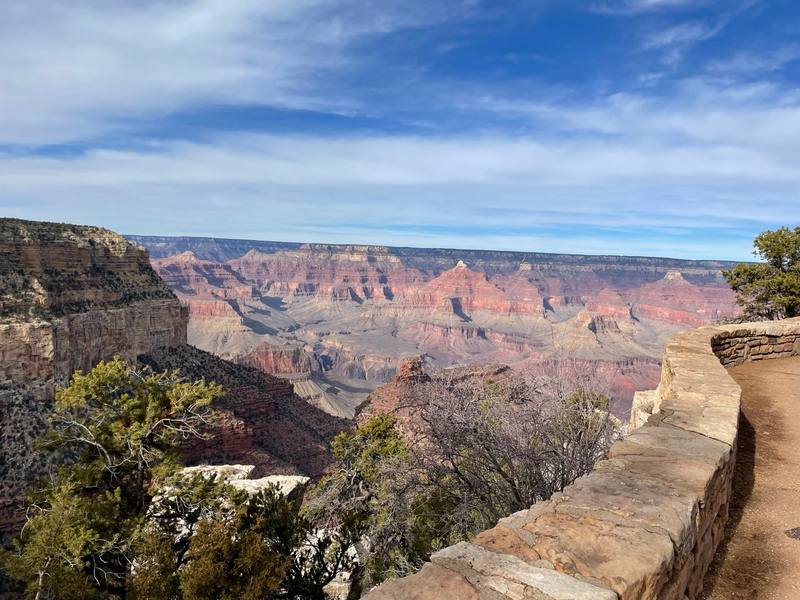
[356, 312]
[646, 523]
[70, 296]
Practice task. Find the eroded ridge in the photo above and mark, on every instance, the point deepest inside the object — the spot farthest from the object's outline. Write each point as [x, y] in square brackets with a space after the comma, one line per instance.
[646, 523]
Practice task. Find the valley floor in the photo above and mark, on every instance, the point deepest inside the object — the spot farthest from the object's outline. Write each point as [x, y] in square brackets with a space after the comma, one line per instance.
[760, 556]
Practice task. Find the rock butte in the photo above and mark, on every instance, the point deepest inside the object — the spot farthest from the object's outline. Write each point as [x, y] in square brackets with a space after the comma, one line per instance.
[338, 320]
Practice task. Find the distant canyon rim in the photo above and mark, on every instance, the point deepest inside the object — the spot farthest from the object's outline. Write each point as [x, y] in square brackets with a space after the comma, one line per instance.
[338, 320]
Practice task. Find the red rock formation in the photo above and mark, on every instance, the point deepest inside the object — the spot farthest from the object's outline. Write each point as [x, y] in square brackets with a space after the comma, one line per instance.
[362, 308]
[213, 308]
[336, 273]
[281, 360]
[674, 299]
[187, 275]
[463, 291]
[611, 304]
[411, 372]
[394, 397]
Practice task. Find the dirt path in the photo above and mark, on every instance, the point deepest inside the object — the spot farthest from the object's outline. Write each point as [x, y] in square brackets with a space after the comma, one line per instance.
[760, 557]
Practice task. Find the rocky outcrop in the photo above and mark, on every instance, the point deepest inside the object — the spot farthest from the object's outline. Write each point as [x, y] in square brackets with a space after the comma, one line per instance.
[70, 296]
[462, 291]
[395, 396]
[50, 270]
[330, 272]
[187, 274]
[240, 477]
[287, 361]
[645, 524]
[213, 308]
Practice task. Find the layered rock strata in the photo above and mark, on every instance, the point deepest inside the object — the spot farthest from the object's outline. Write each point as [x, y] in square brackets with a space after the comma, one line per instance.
[357, 311]
[645, 524]
[70, 296]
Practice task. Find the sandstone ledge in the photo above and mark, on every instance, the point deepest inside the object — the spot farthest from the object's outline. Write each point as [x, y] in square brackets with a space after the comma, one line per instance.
[647, 521]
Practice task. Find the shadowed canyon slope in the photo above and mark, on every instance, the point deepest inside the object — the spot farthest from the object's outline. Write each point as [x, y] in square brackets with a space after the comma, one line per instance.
[337, 320]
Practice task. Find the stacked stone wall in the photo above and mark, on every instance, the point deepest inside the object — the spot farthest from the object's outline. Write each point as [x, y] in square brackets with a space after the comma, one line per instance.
[646, 523]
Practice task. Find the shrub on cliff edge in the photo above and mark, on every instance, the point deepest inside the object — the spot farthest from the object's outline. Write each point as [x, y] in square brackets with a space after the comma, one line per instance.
[770, 289]
[121, 427]
[481, 450]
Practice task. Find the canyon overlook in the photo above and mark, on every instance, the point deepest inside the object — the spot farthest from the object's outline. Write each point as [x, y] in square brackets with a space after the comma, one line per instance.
[305, 334]
[337, 321]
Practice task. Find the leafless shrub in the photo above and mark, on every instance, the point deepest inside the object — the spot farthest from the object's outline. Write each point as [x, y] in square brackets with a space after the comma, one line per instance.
[493, 447]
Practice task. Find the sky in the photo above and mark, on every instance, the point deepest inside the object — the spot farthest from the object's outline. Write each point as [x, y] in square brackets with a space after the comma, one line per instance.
[645, 127]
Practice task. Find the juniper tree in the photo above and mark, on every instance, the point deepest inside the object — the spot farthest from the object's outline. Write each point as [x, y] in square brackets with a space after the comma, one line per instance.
[770, 289]
[120, 428]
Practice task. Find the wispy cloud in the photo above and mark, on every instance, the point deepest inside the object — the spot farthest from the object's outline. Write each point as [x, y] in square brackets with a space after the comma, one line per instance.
[682, 35]
[427, 191]
[636, 7]
[756, 62]
[502, 135]
[76, 70]
[675, 41]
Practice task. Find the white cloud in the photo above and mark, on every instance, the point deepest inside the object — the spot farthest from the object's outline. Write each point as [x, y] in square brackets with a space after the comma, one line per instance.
[758, 117]
[681, 35]
[635, 7]
[687, 156]
[424, 191]
[73, 70]
[758, 63]
[677, 40]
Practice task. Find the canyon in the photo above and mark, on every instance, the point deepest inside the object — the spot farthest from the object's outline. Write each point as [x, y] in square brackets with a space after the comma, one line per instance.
[337, 320]
[72, 296]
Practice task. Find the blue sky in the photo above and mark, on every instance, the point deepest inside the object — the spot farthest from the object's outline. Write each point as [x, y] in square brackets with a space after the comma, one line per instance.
[656, 127]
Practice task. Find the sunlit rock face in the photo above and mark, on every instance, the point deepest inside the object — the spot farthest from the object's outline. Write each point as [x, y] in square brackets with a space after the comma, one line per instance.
[338, 320]
[70, 296]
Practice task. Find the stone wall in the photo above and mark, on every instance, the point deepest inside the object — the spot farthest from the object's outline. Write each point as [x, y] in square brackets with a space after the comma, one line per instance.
[645, 524]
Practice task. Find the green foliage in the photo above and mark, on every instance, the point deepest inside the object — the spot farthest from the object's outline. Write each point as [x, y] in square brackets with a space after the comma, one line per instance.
[365, 452]
[50, 555]
[228, 560]
[121, 428]
[771, 289]
[156, 572]
[261, 550]
[119, 522]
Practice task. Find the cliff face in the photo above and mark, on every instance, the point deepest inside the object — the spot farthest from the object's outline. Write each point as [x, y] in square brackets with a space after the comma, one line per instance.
[70, 296]
[50, 270]
[357, 311]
